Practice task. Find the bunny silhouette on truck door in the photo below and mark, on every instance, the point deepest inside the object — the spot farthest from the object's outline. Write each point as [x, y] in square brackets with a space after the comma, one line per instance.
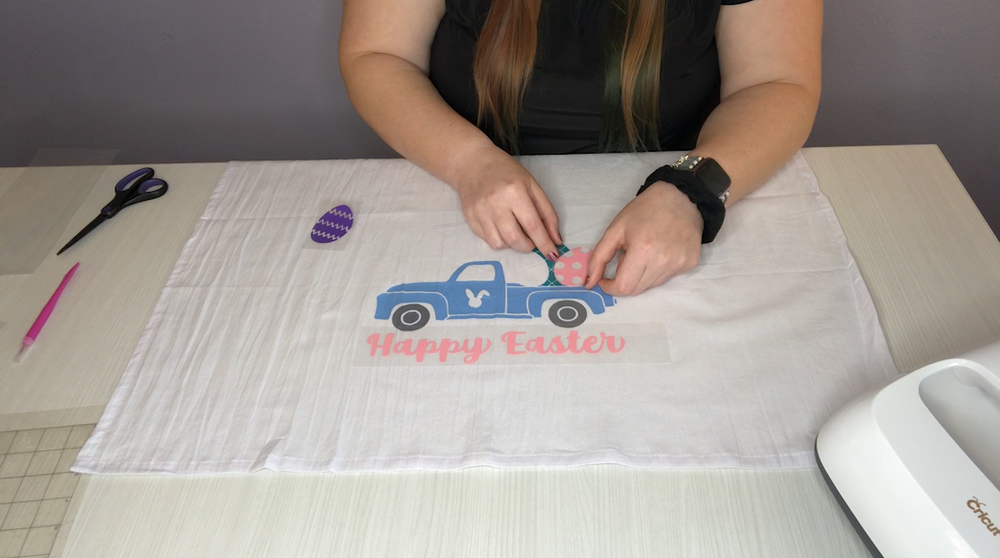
[476, 300]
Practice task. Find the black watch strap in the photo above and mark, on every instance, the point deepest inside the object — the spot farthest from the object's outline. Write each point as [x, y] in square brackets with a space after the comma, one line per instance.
[710, 205]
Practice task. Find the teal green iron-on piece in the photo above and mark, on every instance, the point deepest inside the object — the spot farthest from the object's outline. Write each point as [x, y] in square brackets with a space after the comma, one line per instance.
[552, 281]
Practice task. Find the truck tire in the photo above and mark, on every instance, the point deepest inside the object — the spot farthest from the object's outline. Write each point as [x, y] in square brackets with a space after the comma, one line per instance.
[410, 317]
[567, 313]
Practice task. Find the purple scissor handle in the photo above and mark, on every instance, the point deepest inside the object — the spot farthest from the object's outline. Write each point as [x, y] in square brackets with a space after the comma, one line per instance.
[137, 186]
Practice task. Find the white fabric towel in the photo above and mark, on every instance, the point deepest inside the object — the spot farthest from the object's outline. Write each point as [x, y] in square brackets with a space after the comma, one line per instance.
[264, 350]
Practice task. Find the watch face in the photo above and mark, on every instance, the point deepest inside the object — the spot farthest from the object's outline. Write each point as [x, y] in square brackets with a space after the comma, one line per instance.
[713, 177]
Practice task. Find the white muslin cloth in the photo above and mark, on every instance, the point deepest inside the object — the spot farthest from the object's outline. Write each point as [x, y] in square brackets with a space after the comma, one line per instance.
[264, 350]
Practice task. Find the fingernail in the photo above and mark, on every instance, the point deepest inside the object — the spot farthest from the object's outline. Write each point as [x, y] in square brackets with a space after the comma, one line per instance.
[553, 256]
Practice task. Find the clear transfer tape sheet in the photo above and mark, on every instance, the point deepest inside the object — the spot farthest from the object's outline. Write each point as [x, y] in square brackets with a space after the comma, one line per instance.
[37, 207]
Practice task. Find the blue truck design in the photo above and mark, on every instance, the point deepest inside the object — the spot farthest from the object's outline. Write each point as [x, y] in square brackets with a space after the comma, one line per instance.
[409, 305]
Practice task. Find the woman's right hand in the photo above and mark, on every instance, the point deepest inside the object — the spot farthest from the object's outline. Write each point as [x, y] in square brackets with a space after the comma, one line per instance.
[505, 206]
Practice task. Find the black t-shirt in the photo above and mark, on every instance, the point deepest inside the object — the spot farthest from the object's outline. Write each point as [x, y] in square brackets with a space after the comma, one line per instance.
[561, 109]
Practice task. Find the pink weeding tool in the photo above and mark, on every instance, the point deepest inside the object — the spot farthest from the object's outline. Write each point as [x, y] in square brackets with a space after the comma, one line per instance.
[43, 316]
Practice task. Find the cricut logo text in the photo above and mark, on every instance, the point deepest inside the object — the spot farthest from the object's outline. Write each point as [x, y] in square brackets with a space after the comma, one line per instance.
[977, 506]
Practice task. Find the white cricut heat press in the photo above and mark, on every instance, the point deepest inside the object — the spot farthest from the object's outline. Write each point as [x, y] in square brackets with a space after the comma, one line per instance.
[916, 465]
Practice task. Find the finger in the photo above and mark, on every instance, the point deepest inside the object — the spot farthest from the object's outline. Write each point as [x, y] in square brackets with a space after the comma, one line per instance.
[546, 212]
[492, 236]
[656, 270]
[648, 281]
[627, 276]
[601, 255]
[663, 278]
[668, 271]
[531, 223]
[512, 234]
[476, 227]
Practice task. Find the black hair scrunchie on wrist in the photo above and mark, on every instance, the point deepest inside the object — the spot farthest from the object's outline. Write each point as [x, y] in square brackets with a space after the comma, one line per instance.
[712, 209]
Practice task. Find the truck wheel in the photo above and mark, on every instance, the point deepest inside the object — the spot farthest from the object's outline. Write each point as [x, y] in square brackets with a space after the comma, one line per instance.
[567, 313]
[410, 317]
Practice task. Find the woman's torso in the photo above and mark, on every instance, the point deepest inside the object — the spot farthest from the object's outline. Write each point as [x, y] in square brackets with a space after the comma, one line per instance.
[561, 109]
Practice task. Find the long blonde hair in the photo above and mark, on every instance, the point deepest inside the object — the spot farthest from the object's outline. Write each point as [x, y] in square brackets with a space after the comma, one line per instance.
[505, 55]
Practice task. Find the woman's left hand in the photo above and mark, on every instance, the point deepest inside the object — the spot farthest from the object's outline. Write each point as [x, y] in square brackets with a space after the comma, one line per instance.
[660, 234]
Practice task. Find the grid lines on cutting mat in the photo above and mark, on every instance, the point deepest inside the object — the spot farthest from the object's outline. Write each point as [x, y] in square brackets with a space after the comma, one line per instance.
[36, 487]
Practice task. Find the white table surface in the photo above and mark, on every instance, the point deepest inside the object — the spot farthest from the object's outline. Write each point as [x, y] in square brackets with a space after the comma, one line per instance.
[929, 259]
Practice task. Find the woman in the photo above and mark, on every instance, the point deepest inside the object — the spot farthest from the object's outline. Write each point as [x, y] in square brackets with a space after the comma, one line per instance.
[736, 85]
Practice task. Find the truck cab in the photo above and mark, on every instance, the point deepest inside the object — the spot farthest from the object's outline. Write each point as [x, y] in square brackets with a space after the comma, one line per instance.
[481, 285]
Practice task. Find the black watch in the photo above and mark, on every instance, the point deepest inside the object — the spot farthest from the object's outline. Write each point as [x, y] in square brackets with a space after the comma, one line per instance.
[705, 184]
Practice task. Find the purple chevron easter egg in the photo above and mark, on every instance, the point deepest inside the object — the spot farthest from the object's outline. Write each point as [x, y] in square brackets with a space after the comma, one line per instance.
[333, 224]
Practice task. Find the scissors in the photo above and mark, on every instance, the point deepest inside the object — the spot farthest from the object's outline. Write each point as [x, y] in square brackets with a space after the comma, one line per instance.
[137, 186]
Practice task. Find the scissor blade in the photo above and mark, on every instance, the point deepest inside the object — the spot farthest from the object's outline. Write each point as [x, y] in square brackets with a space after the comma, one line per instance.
[93, 225]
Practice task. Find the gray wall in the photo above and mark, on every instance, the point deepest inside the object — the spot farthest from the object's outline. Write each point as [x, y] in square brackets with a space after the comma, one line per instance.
[917, 71]
[181, 80]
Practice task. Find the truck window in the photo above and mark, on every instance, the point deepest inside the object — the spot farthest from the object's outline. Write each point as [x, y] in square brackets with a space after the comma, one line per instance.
[477, 273]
